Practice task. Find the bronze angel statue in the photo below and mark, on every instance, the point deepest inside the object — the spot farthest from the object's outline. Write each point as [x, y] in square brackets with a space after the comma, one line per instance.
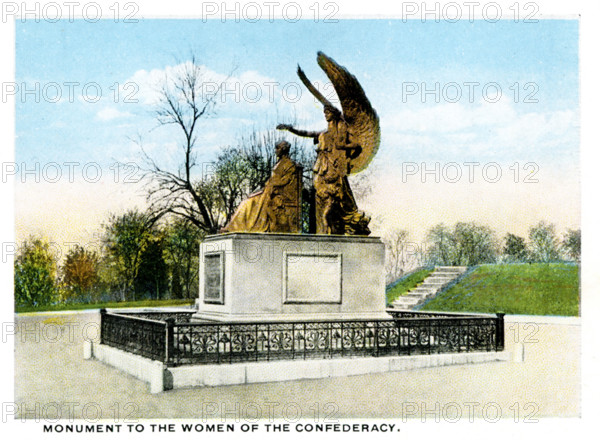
[347, 146]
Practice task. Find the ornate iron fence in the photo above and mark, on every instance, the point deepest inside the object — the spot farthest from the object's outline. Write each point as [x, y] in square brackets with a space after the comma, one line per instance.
[134, 334]
[177, 341]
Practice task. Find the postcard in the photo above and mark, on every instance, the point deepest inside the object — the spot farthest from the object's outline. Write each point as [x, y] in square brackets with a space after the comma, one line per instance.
[294, 218]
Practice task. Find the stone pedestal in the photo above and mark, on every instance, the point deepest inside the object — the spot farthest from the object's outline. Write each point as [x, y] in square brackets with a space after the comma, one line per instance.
[272, 277]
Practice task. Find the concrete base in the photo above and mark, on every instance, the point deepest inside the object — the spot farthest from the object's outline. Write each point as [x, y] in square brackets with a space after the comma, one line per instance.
[273, 277]
[162, 378]
[150, 371]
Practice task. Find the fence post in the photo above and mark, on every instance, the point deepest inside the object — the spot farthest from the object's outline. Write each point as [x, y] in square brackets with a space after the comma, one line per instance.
[170, 340]
[376, 338]
[102, 320]
[499, 331]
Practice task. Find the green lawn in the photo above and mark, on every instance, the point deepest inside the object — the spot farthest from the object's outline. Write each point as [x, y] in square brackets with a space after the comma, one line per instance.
[107, 305]
[523, 289]
[408, 283]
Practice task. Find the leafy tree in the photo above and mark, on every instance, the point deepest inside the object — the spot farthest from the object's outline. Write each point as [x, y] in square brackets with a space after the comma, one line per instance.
[466, 245]
[152, 280]
[245, 168]
[257, 151]
[176, 287]
[474, 244]
[441, 249]
[35, 274]
[515, 248]
[182, 247]
[80, 275]
[108, 278]
[125, 238]
[544, 246]
[572, 244]
[234, 179]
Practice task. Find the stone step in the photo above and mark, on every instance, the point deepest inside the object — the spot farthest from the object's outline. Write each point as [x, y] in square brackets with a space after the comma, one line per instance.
[424, 294]
[438, 279]
[406, 307]
[425, 290]
[430, 291]
[445, 274]
[429, 282]
[417, 295]
[413, 296]
[415, 301]
[435, 287]
[404, 300]
[450, 269]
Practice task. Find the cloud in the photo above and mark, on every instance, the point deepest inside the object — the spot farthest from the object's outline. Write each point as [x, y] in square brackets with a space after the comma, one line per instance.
[451, 117]
[500, 130]
[146, 86]
[110, 113]
[247, 95]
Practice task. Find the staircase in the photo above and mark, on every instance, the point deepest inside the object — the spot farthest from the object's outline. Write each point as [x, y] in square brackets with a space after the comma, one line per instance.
[431, 286]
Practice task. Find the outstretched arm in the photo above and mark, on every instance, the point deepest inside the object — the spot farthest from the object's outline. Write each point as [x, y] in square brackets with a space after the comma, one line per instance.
[303, 133]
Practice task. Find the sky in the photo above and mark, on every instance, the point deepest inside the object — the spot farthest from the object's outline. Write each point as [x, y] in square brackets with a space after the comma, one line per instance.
[479, 120]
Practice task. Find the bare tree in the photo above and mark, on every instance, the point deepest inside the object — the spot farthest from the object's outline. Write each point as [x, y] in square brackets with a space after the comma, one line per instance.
[184, 99]
[362, 183]
[208, 201]
[396, 255]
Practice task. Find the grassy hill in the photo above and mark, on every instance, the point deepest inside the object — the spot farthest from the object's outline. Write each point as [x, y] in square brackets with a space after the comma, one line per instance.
[524, 289]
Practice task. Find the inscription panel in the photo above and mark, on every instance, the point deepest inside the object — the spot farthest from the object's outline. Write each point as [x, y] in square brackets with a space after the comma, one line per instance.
[312, 278]
[214, 270]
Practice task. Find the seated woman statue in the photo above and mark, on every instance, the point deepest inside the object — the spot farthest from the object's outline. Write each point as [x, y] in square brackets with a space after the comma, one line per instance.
[277, 207]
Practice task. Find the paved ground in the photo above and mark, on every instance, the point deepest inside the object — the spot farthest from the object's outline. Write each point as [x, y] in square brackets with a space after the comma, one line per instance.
[51, 375]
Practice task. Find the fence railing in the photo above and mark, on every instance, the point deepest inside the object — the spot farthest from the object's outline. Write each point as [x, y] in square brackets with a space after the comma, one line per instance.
[176, 341]
[179, 316]
[134, 334]
[398, 314]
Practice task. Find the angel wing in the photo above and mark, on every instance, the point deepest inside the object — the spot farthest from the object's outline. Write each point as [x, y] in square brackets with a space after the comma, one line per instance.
[361, 117]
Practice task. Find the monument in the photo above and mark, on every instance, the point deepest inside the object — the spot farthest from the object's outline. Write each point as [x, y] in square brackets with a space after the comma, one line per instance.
[262, 268]
[346, 147]
[277, 303]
